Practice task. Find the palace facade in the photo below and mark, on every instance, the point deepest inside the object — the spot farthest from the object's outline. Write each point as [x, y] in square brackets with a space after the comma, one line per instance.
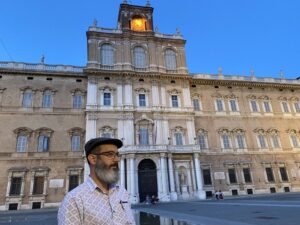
[185, 135]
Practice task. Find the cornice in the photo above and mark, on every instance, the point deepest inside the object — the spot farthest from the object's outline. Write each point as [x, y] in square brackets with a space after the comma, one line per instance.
[42, 73]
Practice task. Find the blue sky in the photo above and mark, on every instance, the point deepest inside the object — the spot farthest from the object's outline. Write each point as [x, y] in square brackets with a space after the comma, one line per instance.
[237, 35]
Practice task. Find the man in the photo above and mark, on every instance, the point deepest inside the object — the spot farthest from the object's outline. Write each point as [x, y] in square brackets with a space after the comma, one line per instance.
[98, 201]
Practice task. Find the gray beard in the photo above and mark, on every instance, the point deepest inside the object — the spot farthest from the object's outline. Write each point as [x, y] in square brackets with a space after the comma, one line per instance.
[106, 174]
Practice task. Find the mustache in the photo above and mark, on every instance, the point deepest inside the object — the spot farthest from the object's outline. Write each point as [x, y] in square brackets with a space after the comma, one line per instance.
[116, 165]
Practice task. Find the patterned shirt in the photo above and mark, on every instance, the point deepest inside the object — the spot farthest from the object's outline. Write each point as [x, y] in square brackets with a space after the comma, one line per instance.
[88, 205]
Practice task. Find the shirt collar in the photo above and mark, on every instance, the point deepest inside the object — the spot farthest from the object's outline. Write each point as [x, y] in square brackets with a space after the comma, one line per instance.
[92, 185]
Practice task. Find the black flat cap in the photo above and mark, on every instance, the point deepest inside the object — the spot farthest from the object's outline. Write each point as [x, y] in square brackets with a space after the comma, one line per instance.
[91, 144]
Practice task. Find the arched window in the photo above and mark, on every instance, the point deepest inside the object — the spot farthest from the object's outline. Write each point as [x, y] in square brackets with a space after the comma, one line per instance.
[107, 55]
[170, 60]
[139, 57]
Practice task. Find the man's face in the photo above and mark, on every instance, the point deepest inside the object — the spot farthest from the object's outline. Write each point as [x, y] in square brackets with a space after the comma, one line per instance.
[106, 167]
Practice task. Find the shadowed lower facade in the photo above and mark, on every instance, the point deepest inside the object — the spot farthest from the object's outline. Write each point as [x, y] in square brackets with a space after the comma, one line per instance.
[185, 135]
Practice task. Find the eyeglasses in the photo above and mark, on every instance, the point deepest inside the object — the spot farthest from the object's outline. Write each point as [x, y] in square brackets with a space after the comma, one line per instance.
[110, 155]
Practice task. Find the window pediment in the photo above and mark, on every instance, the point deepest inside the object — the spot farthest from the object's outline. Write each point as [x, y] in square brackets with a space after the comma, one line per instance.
[252, 97]
[77, 91]
[259, 131]
[224, 130]
[174, 92]
[283, 98]
[23, 130]
[264, 97]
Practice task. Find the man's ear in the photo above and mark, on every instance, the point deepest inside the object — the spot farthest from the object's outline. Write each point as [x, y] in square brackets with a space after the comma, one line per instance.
[92, 159]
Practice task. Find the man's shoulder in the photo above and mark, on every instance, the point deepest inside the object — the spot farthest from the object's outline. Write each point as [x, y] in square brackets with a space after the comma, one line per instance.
[77, 192]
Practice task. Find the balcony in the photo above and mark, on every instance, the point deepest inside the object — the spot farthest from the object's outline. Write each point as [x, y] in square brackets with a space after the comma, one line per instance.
[160, 149]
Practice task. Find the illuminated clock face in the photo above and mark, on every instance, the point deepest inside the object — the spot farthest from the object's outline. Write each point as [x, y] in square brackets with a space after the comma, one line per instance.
[138, 24]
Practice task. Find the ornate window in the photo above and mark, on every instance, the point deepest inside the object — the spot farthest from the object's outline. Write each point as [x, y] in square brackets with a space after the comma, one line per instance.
[219, 105]
[139, 57]
[239, 138]
[107, 55]
[206, 176]
[107, 132]
[77, 136]
[170, 60]
[144, 131]
[283, 174]
[74, 177]
[270, 174]
[39, 180]
[225, 138]
[16, 176]
[285, 107]
[106, 96]
[44, 135]
[23, 135]
[232, 176]
[142, 97]
[174, 98]
[202, 139]
[267, 106]
[142, 100]
[247, 175]
[178, 136]
[47, 101]
[106, 99]
[294, 138]
[27, 100]
[274, 138]
[261, 138]
[196, 104]
[296, 104]
[78, 99]
[254, 106]
[174, 101]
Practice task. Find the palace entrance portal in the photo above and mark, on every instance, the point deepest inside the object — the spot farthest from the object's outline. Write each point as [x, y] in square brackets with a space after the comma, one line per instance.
[147, 179]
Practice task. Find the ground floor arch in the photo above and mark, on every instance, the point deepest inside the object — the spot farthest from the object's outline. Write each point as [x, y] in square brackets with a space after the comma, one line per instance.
[147, 177]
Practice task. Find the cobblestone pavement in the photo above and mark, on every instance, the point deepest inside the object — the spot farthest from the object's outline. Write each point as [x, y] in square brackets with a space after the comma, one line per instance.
[275, 209]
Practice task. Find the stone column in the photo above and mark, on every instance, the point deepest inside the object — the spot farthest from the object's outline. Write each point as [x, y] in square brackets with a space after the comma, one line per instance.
[119, 94]
[186, 96]
[8, 184]
[177, 182]
[164, 194]
[92, 49]
[128, 94]
[163, 96]
[91, 132]
[132, 180]
[199, 193]
[45, 184]
[165, 131]
[91, 94]
[31, 182]
[171, 175]
[155, 94]
[122, 172]
[191, 134]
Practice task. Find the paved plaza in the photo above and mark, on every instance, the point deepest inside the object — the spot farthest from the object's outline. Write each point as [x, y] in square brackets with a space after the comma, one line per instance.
[275, 209]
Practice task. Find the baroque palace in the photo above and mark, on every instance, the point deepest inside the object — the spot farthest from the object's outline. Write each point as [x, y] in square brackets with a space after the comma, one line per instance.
[185, 135]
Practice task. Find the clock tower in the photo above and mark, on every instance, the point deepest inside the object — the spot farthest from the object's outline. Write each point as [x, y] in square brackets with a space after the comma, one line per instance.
[136, 18]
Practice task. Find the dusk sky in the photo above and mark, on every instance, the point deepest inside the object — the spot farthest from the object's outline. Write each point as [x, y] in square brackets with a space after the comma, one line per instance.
[237, 35]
